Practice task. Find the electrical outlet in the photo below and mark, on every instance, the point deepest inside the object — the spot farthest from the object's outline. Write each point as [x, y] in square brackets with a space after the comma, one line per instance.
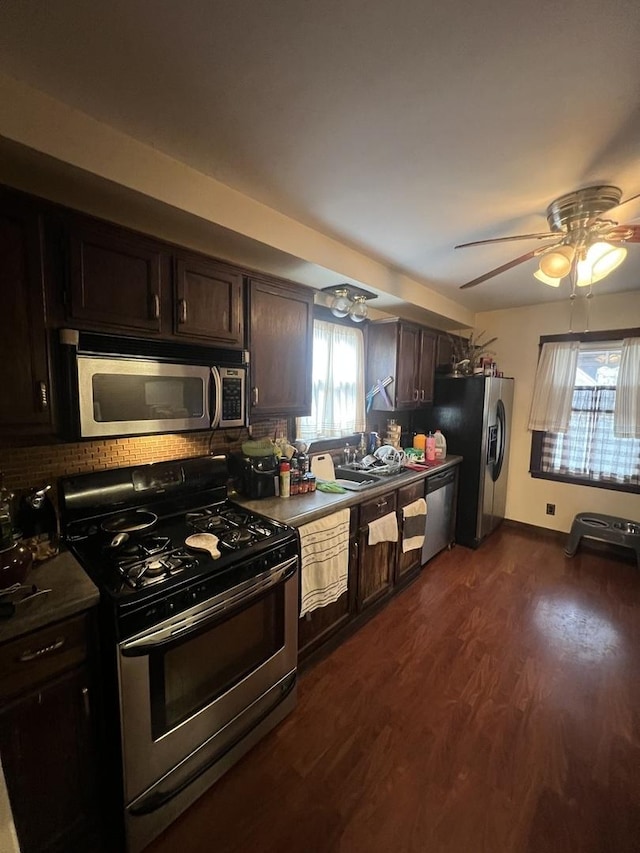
[551, 509]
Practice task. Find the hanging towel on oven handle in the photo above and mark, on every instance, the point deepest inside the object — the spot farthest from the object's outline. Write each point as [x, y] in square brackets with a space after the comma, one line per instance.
[414, 517]
[324, 568]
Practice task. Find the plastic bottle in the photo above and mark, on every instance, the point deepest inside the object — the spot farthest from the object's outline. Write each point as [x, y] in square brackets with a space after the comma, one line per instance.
[430, 450]
[441, 446]
[285, 479]
[419, 441]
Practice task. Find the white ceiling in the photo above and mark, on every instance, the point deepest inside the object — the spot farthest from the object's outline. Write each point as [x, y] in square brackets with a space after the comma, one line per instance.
[399, 128]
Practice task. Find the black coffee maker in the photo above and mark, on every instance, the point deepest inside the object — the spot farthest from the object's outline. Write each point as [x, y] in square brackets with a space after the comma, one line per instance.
[256, 476]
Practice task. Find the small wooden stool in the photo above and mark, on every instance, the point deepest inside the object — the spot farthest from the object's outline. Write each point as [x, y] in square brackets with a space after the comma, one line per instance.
[606, 528]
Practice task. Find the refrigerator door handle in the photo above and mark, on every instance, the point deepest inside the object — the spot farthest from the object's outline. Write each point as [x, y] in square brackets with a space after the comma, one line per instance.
[502, 429]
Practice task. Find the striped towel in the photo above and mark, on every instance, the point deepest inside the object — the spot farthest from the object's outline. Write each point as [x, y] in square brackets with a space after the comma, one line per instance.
[414, 516]
[324, 546]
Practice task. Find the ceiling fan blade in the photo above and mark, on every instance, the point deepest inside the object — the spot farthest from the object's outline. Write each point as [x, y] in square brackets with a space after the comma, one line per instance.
[503, 268]
[615, 208]
[624, 234]
[544, 236]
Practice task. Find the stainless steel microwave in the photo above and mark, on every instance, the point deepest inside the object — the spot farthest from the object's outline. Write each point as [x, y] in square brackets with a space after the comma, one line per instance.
[125, 386]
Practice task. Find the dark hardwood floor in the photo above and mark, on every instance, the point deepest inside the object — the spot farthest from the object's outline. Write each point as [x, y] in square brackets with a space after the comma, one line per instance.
[494, 705]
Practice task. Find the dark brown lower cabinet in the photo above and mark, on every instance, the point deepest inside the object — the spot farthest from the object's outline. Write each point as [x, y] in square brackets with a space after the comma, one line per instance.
[408, 563]
[376, 563]
[47, 741]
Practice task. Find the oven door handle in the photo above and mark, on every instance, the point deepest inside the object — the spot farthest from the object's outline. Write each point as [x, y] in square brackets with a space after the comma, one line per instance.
[220, 605]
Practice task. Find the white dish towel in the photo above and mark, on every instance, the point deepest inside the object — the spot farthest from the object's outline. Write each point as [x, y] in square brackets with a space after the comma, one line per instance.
[414, 517]
[324, 546]
[383, 529]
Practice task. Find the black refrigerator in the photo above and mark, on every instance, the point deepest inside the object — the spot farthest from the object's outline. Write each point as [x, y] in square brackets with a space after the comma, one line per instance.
[474, 414]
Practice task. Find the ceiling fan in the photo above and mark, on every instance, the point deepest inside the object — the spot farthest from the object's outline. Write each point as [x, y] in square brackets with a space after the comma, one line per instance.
[579, 240]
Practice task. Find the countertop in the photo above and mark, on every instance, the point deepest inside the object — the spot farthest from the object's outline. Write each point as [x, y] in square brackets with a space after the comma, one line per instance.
[300, 509]
[71, 592]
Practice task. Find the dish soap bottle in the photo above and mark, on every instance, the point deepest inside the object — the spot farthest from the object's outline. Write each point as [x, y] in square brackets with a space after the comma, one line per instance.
[440, 446]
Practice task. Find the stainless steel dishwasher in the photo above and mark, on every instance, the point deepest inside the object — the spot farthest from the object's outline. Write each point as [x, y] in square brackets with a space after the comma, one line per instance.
[440, 496]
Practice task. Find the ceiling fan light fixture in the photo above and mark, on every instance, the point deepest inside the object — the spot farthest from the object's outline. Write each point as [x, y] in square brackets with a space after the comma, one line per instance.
[547, 279]
[557, 264]
[601, 259]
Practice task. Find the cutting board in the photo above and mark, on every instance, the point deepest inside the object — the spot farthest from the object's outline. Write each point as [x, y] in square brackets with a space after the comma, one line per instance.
[322, 466]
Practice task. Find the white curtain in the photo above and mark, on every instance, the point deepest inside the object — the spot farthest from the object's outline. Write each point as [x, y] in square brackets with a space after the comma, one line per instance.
[338, 383]
[553, 387]
[626, 417]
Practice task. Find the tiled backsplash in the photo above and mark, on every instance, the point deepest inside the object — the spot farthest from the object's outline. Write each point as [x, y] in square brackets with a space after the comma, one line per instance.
[24, 467]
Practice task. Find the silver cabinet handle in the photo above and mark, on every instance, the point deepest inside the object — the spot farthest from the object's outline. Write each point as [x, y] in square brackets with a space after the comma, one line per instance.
[155, 307]
[29, 655]
[256, 396]
[416, 395]
[182, 303]
[422, 395]
[380, 504]
[43, 393]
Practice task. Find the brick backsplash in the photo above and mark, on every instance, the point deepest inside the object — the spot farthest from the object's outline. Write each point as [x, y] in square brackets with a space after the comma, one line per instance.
[24, 467]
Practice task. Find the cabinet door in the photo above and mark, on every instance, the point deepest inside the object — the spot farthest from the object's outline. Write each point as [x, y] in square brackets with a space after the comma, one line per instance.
[115, 278]
[444, 354]
[408, 563]
[376, 562]
[426, 367]
[208, 301]
[281, 345]
[47, 757]
[407, 391]
[24, 373]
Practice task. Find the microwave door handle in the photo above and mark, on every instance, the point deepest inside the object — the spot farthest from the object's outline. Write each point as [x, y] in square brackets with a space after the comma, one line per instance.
[217, 406]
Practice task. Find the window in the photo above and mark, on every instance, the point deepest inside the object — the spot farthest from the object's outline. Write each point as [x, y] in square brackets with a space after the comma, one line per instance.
[589, 451]
[338, 383]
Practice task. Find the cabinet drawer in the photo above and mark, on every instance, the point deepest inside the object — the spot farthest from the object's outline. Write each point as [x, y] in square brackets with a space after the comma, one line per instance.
[41, 655]
[377, 507]
[409, 494]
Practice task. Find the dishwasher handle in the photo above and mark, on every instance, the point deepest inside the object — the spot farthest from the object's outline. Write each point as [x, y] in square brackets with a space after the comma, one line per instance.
[439, 481]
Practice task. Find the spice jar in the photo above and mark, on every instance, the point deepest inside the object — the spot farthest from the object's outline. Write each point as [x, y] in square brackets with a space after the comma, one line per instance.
[311, 482]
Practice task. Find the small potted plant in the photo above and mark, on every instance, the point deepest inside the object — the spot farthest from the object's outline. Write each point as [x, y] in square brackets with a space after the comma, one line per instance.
[467, 352]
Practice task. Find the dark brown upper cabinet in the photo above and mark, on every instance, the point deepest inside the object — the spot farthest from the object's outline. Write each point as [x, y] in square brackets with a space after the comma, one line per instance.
[406, 353]
[208, 301]
[24, 368]
[116, 278]
[281, 346]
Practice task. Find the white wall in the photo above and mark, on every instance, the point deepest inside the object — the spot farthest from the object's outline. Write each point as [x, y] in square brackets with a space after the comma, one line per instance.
[518, 331]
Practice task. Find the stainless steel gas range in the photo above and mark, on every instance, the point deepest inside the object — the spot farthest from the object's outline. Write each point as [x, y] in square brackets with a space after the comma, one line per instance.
[200, 645]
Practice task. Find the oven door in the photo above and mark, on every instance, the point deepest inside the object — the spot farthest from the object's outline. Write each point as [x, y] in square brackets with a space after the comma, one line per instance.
[195, 684]
[119, 396]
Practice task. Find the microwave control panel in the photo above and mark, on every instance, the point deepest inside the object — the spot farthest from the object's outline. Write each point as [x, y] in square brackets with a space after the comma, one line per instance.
[233, 403]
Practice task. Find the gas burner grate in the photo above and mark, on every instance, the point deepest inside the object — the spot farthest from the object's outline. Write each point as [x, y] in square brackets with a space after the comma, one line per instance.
[237, 538]
[139, 573]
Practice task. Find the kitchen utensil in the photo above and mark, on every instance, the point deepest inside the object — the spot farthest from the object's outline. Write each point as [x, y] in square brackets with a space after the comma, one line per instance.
[204, 542]
[322, 466]
[36, 515]
[17, 597]
[118, 540]
[130, 522]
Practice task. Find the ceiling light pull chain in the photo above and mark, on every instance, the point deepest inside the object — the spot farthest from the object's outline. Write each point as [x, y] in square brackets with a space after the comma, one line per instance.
[588, 297]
